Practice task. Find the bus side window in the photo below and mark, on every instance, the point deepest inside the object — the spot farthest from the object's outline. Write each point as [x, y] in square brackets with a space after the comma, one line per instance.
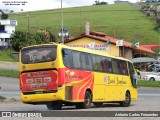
[120, 67]
[104, 64]
[115, 66]
[109, 69]
[86, 61]
[83, 61]
[89, 65]
[95, 66]
[67, 58]
[124, 68]
[108, 65]
[76, 60]
[99, 60]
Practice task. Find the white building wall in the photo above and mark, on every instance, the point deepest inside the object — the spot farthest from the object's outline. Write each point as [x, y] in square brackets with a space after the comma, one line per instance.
[10, 29]
[5, 35]
[8, 22]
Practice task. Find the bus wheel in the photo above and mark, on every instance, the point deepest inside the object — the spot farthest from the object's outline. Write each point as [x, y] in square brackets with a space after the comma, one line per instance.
[86, 103]
[127, 101]
[56, 105]
[98, 104]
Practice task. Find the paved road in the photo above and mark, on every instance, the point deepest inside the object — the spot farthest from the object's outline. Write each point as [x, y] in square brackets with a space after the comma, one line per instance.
[148, 97]
[9, 87]
[9, 65]
[149, 100]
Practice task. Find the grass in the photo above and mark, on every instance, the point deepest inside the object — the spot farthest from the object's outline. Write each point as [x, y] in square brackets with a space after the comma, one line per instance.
[5, 55]
[144, 83]
[128, 23]
[9, 73]
[2, 98]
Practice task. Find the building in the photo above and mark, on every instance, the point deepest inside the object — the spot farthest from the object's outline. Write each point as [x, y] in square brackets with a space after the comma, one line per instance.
[98, 41]
[7, 28]
[121, 2]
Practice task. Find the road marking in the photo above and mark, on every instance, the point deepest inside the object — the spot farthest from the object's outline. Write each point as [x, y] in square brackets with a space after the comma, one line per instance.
[149, 94]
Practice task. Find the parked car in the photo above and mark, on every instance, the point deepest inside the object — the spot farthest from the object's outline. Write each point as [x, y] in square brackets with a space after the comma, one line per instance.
[152, 77]
[154, 67]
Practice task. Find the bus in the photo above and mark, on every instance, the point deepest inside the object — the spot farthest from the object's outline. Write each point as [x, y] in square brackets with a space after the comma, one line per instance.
[57, 75]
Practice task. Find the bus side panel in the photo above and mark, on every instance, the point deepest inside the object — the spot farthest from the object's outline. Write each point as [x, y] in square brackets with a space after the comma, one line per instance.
[61, 77]
[111, 87]
[100, 92]
[76, 83]
[134, 94]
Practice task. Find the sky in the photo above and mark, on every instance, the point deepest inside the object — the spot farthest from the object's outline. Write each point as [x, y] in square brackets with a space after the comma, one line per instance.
[31, 5]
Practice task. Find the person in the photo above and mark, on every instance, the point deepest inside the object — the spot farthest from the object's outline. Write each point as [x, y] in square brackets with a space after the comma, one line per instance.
[138, 73]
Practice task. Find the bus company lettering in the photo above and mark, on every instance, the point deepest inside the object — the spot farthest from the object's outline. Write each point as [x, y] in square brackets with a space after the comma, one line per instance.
[116, 81]
[111, 81]
[72, 74]
[121, 82]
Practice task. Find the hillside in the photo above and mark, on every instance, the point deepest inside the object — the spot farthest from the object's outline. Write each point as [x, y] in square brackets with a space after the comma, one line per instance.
[127, 22]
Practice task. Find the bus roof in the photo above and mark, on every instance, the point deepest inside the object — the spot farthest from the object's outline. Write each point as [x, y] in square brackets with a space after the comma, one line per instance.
[91, 51]
[80, 49]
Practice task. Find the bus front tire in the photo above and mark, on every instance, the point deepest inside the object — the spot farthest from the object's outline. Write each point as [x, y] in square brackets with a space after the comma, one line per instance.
[86, 103]
[127, 101]
[56, 105]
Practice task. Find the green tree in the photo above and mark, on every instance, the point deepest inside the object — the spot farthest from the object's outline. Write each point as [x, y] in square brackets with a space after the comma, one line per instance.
[157, 18]
[47, 36]
[4, 16]
[100, 3]
[23, 39]
[19, 40]
[11, 11]
[40, 38]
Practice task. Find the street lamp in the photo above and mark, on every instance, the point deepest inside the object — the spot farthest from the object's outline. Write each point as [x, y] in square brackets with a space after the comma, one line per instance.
[63, 33]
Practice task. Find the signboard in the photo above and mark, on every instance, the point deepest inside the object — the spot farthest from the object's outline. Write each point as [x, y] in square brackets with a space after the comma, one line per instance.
[13, 22]
[93, 47]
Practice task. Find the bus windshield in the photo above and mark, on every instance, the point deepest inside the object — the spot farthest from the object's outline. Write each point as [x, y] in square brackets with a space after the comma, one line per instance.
[38, 54]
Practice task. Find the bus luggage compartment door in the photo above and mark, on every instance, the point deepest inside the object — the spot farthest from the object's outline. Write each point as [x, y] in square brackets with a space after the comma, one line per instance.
[39, 81]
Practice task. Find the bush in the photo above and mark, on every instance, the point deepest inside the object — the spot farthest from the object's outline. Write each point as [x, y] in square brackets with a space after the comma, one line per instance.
[2, 98]
[23, 39]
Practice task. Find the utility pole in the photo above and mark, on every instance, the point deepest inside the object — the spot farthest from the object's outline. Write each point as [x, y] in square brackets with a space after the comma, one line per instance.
[28, 25]
[62, 22]
[28, 22]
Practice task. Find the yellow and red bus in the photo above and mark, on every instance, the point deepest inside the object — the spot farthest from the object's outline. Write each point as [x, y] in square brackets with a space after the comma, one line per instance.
[57, 75]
